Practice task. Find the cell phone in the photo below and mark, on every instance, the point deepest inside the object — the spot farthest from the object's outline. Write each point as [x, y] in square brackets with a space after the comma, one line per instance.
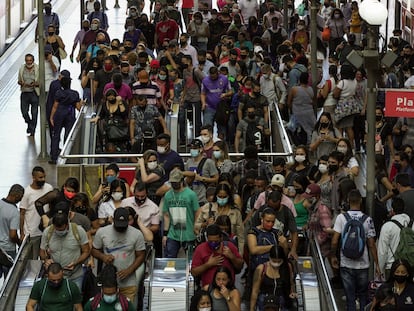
[91, 74]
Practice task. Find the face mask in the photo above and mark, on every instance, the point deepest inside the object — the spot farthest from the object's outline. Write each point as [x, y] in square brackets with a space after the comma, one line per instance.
[161, 149]
[333, 168]
[400, 278]
[205, 309]
[48, 11]
[232, 62]
[131, 28]
[222, 201]
[323, 168]
[184, 66]
[378, 118]
[194, 153]
[299, 190]
[117, 196]
[30, 66]
[183, 43]
[324, 125]
[214, 245]
[40, 183]
[110, 179]
[217, 154]
[140, 201]
[127, 48]
[337, 15]
[112, 101]
[301, 27]
[85, 28]
[50, 33]
[80, 210]
[152, 165]
[176, 185]
[275, 264]
[68, 194]
[94, 27]
[272, 10]
[108, 67]
[397, 165]
[300, 158]
[133, 14]
[54, 284]
[62, 233]
[114, 47]
[121, 229]
[251, 116]
[109, 298]
[205, 139]
[257, 94]
[342, 149]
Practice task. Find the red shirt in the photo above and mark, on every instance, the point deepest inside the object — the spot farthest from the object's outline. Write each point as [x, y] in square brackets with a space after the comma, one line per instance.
[203, 252]
[167, 29]
[188, 4]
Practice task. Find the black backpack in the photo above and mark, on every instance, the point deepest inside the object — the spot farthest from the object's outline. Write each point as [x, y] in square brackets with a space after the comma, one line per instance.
[264, 238]
[254, 136]
[276, 39]
[353, 237]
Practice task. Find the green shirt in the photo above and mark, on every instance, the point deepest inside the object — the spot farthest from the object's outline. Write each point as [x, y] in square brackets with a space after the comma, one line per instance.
[182, 207]
[56, 299]
[103, 306]
[302, 214]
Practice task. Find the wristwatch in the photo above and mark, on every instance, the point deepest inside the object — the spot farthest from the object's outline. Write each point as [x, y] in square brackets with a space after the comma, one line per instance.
[228, 298]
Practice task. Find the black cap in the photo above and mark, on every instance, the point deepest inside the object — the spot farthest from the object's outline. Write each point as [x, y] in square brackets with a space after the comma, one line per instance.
[196, 143]
[65, 73]
[121, 217]
[62, 208]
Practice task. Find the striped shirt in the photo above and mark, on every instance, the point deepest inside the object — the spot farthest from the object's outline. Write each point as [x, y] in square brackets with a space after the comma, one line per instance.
[151, 91]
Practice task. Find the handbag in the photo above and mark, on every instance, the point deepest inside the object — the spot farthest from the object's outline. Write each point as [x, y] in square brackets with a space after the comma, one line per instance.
[62, 53]
[346, 107]
[116, 130]
[326, 34]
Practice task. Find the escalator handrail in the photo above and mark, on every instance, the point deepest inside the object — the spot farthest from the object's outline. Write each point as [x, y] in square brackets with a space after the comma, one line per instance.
[287, 145]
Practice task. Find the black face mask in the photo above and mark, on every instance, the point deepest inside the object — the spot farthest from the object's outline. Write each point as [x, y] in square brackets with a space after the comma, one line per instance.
[48, 11]
[40, 183]
[185, 66]
[324, 125]
[202, 62]
[251, 116]
[397, 165]
[128, 49]
[378, 118]
[299, 190]
[176, 185]
[400, 278]
[112, 100]
[51, 33]
[183, 43]
[257, 94]
[140, 201]
[232, 62]
[114, 47]
[81, 210]
[125, 74]
[333, 168]
[120, 229]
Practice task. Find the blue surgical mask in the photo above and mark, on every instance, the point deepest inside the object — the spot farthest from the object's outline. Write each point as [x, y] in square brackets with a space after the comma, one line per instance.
[110, 298]
[222, 201]
[110, 179]
[62, 233]
[217, 154]
[194, 153]
[214, 245]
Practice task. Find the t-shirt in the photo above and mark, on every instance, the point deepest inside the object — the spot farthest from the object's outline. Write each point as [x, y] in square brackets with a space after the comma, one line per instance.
[65, 249]
[363, 261]
[106, 209]
[122, 245]
[168, 161]
[405, 301]
[9, 220]
[209, 169]
[62, 298]
[203, 252]
[214, 89]
[149, 212]
[166, 29]
[181, 207]
[31, 216]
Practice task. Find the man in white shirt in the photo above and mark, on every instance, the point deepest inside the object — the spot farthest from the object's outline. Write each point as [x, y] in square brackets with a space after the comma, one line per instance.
[187, 49]
[29, 217]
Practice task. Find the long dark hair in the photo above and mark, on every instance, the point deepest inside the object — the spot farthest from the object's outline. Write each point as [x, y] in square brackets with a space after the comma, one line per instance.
[196, 299]
[230, 284]
[395, 265]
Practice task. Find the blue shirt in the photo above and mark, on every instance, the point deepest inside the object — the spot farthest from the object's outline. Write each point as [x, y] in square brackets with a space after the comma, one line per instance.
[213, 89]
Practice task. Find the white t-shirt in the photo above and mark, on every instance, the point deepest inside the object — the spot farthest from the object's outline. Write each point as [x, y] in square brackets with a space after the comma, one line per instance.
[409, 83]
[347, 87]
[106, 209]
[31, 216]
[49, 74]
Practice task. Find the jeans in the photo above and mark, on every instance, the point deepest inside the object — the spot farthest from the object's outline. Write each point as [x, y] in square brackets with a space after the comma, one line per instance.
[172, 247]
[209, 118]
[355, 283]
[5, 270]
[63, 118]
[29, 100]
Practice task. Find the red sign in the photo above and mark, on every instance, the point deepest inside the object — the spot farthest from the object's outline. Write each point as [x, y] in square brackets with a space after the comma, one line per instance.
[399, 103]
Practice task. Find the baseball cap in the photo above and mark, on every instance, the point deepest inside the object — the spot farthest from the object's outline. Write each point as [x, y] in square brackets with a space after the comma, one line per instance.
[196, 143]
[143, 76]
[155, 64]
[176, 176]
[121, 217]
[278, 180]
[65, 73]
[62, 208]
[312, 191]
[48, 48]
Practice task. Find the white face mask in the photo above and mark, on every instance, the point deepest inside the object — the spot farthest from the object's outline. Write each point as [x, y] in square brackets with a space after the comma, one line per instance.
[275, 264]
[300, 158]
[117, 196]
[152, 165]
[323, 168]
[205, 139]
[161, 149]
[342, 149]
[205, 309]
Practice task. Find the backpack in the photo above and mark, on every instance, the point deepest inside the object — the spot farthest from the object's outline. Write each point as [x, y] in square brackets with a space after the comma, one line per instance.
[254, 136]
[264, 238]
[353, 237]
[74, 229]
[405, 249]
[98, 297]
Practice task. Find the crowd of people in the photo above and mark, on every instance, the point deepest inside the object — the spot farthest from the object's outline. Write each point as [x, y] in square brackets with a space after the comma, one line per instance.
[229, 69]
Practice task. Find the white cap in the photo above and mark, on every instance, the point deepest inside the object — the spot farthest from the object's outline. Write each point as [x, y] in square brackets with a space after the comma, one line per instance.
[278, 180]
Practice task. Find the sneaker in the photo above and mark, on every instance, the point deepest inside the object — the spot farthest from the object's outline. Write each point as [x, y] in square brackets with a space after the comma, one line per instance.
[5, 259]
